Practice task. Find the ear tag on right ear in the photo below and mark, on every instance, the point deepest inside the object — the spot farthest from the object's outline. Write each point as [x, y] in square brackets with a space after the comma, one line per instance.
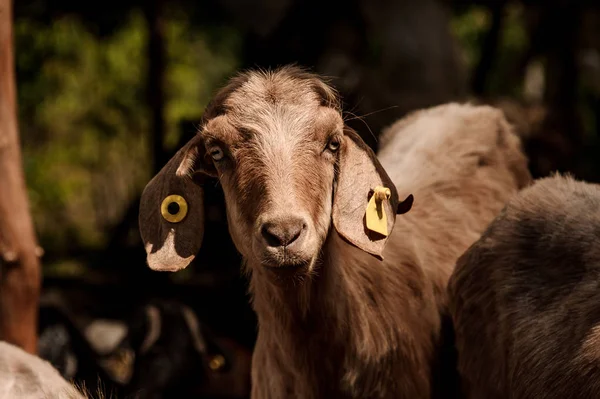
[375, 215]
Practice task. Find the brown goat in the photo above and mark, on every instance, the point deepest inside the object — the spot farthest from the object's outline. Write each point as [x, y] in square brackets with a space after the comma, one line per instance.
[335, 318]
[525, 300]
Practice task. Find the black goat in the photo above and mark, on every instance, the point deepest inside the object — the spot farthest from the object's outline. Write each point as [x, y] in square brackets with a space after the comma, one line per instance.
[177, 357]
[63, 345]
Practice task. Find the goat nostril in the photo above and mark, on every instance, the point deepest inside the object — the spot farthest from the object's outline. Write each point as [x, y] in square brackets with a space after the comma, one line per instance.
[270, 236]
[295, 235]
[282, 234]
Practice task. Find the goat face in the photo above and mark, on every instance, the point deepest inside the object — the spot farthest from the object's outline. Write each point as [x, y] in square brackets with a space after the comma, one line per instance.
[275, 154]
[288, 167]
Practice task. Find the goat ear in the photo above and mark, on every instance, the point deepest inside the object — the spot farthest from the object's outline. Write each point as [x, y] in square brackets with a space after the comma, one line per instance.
[360, 173]
[171, 218]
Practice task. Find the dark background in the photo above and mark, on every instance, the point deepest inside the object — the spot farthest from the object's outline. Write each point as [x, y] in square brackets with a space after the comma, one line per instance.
[107, 91]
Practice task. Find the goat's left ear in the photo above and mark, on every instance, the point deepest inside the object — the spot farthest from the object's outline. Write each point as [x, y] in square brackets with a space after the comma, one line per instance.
[361, 177]
[171, 218]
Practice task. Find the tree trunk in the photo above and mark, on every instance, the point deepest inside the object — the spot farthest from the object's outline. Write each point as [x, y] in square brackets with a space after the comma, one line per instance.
[489, 50]
[562, 140]
[20, 275]
[156, 76]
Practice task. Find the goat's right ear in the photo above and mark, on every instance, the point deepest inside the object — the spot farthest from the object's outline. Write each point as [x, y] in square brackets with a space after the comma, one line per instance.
[171, 218]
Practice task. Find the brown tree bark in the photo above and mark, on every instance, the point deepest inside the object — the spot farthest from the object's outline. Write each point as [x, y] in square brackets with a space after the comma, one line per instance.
[20, 276]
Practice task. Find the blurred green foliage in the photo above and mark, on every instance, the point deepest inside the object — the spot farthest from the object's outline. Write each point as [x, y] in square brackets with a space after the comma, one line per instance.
[514, 42]
[470, 28]
[84, 121]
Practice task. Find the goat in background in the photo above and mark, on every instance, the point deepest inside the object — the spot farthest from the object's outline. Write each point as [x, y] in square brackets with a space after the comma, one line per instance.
[525, 299]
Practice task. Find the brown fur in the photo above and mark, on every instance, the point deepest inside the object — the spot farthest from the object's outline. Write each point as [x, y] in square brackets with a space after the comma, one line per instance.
[335, 320]
[463, 163]
[524, 298]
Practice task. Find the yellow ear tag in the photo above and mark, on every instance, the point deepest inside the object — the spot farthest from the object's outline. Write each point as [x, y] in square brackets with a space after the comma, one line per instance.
[174, 208]
[375, 215]
[216, 363]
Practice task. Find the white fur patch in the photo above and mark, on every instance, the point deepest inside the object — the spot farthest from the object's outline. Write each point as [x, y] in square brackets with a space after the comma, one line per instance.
[104, 335]
[166, 259]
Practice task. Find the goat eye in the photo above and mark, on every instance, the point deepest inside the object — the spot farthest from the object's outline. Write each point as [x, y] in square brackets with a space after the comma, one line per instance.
[217, 153]
[174, 208]
[334, 144]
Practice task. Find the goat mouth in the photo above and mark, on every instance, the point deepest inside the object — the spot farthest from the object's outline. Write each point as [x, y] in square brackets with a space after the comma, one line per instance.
[284, 273]
[285, 266]
[290, 265]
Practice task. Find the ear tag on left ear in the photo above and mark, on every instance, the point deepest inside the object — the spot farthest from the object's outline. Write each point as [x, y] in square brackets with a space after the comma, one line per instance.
[375, 214]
